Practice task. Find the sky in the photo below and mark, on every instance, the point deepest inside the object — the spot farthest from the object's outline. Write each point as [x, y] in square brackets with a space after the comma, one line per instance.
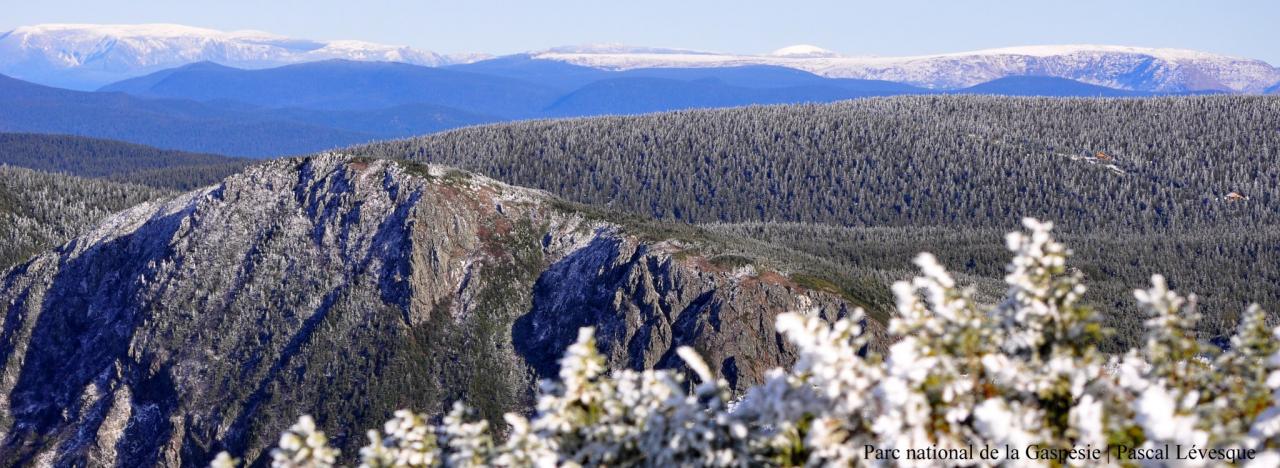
[901, 27]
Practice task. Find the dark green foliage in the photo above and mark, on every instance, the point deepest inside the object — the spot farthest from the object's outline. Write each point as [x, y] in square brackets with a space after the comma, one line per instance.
[114, 160]
[447, 358]
[1222, 270]
[730, 261]
[964, 167]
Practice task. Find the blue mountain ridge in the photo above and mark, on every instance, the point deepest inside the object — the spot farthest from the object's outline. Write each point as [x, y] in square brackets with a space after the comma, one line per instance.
[230, 128]
[1047, 86]
[318, 105]
[344, 85]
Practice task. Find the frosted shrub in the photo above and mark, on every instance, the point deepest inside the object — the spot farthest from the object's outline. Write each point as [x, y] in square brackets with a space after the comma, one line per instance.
[1018, 383]
[408, 441]
[302, 446]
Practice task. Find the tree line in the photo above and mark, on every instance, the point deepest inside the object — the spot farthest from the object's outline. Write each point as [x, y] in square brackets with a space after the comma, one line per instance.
[1183, 186]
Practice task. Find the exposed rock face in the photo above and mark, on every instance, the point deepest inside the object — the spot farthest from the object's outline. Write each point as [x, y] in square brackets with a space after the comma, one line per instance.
[344, 289]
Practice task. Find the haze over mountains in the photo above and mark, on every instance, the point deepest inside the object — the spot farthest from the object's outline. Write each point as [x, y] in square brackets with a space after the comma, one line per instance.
[1130, 68]
[257, 94]
[346, 85]
[160, 304]
[348, 286]
[229, 128]
[87, 56]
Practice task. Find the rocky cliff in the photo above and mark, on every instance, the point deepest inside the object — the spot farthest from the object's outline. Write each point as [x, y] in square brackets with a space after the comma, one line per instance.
[346, 288]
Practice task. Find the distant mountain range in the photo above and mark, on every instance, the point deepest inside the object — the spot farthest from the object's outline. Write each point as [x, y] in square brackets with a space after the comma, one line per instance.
[256, 94]
[232, 128]
[90, 56]
[1128, 68]
[308, 107]
[86, 56]
[514, 87]
[1047, 86]
[345, 85]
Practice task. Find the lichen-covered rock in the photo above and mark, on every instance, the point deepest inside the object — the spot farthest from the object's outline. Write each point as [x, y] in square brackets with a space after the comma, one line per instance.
[345, 289]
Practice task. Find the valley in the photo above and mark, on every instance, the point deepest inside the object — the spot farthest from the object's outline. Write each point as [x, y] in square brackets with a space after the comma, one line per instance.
[253, 95]
[945, 174]
[681, 240]
[236, 248]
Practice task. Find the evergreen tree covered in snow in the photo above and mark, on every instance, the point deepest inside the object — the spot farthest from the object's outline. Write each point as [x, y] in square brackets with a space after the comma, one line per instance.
[1025, 373]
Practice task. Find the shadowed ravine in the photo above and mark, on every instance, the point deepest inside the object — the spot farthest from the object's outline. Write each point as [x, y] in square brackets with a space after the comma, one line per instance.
[346, 288]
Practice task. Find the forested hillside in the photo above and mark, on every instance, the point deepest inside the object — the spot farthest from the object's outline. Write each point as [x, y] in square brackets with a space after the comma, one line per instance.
[48, 195]
[1227, 271]
[1183, 186]
[316, 106]
[961, 375]
[347, 288]
[39, 210]
[114, 160]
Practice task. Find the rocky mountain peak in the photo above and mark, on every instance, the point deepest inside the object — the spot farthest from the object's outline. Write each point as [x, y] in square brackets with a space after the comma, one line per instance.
[346, 288]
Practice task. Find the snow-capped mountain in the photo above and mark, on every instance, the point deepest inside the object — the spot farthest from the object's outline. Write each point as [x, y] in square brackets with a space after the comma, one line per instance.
[803, 51]
[621, 49]
[1131, 68]
[86, 56]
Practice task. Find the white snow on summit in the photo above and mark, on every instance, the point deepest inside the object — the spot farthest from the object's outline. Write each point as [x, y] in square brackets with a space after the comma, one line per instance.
[85, 56]
[620, 49]
[1052, 50]
[1134, 68]
[133, 30]
[803, 51]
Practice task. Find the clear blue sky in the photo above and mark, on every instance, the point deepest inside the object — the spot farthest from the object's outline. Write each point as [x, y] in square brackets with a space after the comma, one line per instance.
[1244, 28]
